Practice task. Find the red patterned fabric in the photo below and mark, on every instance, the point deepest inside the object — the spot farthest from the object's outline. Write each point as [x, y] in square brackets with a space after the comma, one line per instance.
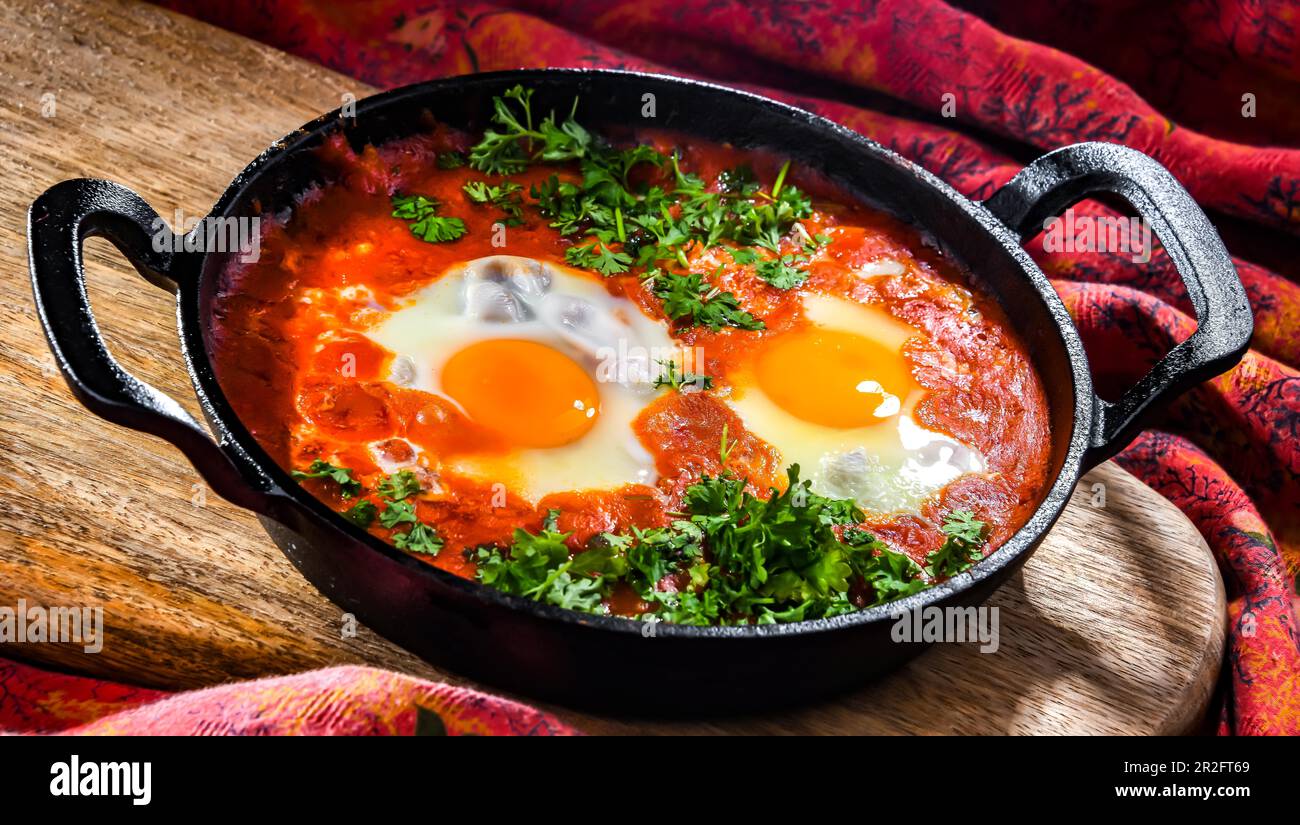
[1173, 79]
[337, 701]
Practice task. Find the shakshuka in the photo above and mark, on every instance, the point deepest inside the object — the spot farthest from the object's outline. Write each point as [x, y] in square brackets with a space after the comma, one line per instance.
[631, 373]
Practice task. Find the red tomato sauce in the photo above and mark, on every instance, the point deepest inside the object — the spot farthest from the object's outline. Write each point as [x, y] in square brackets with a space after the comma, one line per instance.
[303, 399]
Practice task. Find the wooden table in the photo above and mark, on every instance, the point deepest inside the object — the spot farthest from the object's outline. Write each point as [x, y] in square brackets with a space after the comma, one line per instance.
[1116, 625]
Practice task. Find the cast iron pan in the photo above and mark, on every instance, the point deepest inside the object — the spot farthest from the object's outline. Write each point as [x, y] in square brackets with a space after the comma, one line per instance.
[606, 662]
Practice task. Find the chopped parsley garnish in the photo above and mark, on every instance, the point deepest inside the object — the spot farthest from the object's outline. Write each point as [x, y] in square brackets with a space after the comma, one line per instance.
[781, 271]
[362, 513]
[856, 536]
[421, 538]
[504, 196]
[891, 575]
[538, 566]
[395, 489]
[962, 547]
[451, 160]
[599, 257]
[341, 476]
[690, 299]
[397, 512]
[621, 219]
[518, 142]
[670, 375]
[425, 222]
[741, 559]
[401, 484]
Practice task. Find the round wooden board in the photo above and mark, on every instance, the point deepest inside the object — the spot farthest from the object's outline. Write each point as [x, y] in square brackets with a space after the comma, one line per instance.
[1116, 625]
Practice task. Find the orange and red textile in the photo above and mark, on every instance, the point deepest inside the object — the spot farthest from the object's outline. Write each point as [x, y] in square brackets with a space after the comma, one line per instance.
[337, 701]
[1210, 88]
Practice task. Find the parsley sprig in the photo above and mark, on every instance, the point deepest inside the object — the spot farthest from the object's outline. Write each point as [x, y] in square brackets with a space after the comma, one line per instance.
[599, 257]
[670, 375]
[792, 556]
[401, 484]
[394, 491]
[622, 219]
[691, 301]
[504, 196]
[782, 271]
[396, 513]
[425, 223]
[515, 142]
[362, 514]
[421, 538]
[962, 547]
[341, 476]
[538, 566]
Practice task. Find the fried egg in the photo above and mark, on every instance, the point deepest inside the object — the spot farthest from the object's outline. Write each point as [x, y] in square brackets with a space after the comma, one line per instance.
[837, 397]
[544, 357]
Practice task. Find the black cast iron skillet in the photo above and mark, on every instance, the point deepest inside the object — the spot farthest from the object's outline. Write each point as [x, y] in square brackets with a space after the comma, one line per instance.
[605, 662]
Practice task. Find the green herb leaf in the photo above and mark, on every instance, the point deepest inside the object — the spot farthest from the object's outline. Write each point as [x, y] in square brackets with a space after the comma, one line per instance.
[670, 375]
[687, 298]
[538, 566]
[425, 223]
[768, 560]
[963, 546]
[399, 485]
[504, 196]
[738, 181]
[341, 476]
[421, 538]
[781, 272]
[362, 513]
[653, 222]
[397, 512]
[744, 256]
[517, 143]
[599, 257]
[891, 575]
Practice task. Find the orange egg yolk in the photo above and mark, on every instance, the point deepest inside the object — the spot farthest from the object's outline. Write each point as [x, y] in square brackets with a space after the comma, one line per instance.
[834, 378]
[527, 392]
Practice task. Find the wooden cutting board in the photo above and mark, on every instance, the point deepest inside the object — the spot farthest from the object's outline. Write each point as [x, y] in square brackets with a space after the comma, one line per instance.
[1116, 625]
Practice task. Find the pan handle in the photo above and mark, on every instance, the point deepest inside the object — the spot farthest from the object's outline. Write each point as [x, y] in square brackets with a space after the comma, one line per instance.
[1061, 178]
[57, 224]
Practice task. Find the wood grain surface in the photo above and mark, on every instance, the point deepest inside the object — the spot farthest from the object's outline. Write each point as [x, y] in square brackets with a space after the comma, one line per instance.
[1116, 625]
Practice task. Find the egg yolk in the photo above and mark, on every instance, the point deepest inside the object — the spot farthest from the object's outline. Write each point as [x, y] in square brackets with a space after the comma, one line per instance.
[529, 393]
[834, 378]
